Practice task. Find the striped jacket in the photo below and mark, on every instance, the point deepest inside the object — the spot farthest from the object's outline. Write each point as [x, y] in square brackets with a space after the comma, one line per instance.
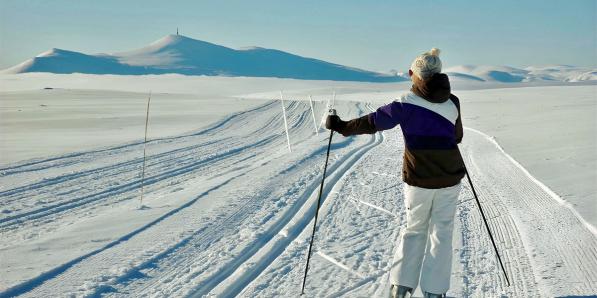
[431, 127]
[431, 134]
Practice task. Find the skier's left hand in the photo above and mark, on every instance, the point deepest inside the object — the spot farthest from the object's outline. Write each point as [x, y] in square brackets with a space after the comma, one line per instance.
[333, 122]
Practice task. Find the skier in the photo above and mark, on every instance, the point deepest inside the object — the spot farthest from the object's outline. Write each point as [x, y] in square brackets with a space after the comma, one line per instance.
[429, 116]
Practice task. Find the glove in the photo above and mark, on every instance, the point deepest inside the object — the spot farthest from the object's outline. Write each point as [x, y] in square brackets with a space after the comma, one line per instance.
[356, 126]
[333, 122]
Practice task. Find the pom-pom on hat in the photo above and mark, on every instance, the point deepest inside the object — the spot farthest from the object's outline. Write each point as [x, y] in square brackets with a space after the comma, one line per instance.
[427, 64]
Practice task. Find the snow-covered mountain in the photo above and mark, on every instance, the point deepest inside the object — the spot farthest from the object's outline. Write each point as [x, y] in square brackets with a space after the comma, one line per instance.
[184, 55]
[506, 74]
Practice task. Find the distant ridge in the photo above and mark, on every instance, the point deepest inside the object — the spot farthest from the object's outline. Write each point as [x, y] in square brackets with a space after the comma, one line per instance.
[184, 55]
[506, 74]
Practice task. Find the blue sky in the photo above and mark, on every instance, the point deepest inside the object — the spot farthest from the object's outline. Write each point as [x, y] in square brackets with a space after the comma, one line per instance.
[374, 35]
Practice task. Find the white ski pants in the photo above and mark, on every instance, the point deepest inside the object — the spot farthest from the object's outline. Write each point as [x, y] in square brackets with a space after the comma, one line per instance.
[427, 240]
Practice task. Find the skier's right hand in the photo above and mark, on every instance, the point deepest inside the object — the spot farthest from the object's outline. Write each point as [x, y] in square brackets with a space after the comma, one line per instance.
[333, 122]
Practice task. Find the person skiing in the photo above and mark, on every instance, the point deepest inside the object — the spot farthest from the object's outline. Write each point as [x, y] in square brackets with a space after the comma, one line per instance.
[429, 116]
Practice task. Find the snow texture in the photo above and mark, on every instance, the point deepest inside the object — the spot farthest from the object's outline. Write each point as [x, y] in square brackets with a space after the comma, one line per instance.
[228, 211]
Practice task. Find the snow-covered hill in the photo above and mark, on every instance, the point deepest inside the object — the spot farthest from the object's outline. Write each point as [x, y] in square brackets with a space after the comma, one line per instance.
[184, 55]
[506, 74]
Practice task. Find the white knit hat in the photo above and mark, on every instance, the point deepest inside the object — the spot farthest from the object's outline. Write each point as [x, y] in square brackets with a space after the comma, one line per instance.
[427, 64]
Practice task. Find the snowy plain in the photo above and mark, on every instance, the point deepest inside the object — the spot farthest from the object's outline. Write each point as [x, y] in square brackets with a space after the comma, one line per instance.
[228, 208]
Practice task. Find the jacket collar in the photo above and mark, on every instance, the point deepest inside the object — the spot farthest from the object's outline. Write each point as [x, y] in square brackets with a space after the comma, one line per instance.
[435, 89]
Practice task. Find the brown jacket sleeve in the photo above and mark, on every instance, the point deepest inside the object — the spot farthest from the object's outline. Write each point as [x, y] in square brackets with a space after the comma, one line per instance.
[459, 131]
[358, 126]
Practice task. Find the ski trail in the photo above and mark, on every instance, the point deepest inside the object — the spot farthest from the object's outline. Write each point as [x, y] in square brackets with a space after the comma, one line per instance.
[176, 149]
[64, 160]
[286, 272]
[244, 229]
[539, 183]
[481, 273]
[517, 209]
[120, 183]
[35, 282]
[169, 265]
[269, 252]
[117, 265]
[226, 269]
[176, 260]
[69, 264]
[533, 229]
[294, 225]
[69, 204]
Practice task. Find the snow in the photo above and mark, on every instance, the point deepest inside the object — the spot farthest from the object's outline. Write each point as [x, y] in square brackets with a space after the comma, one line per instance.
[184, 55]
[228, 210]
[86, 119]
[506, 74]
[551, 131]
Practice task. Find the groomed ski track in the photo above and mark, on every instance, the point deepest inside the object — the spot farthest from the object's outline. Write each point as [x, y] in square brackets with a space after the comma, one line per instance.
[244, 208]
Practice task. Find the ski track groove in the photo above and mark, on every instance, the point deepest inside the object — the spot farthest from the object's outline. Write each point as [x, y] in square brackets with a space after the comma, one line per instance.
[507, 239]
[545, 225]
[218, 125]
[67, 205]
[40, 213]
[192, 243]
[30, 285]
[44, 277]
[246, 253]
[167, 154]
[247, 276]
[335, 205]
[521, 214]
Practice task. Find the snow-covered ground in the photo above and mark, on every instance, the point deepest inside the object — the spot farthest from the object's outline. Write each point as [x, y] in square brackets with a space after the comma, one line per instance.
[228, 209]
[552, 131]
[39, 123]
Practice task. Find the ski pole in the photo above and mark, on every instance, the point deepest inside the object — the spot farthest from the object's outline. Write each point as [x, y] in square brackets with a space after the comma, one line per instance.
[327, 157]
[486, 224]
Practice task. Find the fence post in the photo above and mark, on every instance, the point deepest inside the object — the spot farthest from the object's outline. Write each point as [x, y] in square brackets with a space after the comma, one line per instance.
[334, 98]
[285, 121]
[313, 114]
[328, 106]
[144, 153]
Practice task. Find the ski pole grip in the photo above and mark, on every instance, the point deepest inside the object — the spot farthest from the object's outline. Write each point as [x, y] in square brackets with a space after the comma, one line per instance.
[332, 112]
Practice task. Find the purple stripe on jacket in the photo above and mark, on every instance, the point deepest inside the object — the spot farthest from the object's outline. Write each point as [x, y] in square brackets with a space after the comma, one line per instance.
[421, 127]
